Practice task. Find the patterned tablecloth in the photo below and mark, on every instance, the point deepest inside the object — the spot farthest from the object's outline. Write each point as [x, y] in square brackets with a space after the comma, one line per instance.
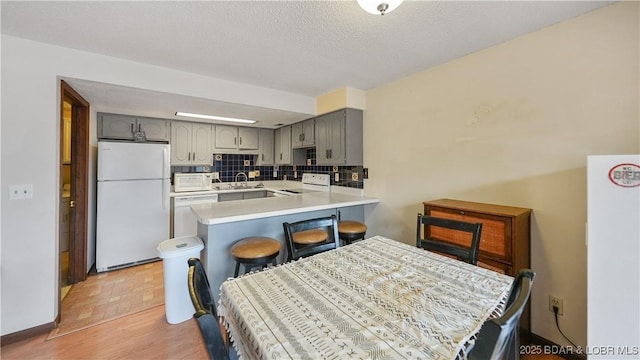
[374, 299]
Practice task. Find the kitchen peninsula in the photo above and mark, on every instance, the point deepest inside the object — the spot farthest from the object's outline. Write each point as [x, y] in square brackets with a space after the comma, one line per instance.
[221, 224]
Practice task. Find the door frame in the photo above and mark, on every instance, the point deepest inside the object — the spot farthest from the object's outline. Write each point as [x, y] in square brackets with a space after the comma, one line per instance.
[78, 222]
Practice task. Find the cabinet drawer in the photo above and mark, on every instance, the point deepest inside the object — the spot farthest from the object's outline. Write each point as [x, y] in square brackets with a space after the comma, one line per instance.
[495, 241]
[495, 266]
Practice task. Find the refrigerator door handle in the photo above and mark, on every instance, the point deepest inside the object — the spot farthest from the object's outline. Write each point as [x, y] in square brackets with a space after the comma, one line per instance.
[165, 193]
[165, 185]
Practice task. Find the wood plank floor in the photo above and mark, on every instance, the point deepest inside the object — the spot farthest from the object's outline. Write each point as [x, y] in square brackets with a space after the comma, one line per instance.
[143, 335]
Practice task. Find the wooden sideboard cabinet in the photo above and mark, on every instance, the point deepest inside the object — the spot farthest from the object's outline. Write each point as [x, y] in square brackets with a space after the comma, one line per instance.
[505, 239]
[504, 244]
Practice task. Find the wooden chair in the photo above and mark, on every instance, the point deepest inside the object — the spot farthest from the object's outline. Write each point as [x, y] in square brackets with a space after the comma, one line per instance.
[498, 338]
[350, 230]
[255, 251]
[309, 237]
[213, 331]
[468, 254]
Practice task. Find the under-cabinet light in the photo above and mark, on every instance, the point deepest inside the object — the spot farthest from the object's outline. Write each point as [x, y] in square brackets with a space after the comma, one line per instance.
[213, 117]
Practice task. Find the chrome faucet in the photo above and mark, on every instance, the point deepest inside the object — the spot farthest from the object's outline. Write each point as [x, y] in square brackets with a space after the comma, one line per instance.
[245, 178]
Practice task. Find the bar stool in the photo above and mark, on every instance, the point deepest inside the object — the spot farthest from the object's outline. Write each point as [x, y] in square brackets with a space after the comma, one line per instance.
[308, 237]
[255, 251]
[350, 230]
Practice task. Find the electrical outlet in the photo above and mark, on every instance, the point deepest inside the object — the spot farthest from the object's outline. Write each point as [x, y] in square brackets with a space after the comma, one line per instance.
[337, 177]
[275, 173]
[295, 174]
[20, 192]
[554, 301]
[252, 174]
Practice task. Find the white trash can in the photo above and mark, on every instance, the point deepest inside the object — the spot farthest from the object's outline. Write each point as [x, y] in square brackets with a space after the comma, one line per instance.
[175, 253]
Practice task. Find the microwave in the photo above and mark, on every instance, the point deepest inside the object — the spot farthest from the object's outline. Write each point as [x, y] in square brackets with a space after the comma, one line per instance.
[192, 182]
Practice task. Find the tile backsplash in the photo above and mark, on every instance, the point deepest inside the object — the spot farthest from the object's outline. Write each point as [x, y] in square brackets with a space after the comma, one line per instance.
[231, 164]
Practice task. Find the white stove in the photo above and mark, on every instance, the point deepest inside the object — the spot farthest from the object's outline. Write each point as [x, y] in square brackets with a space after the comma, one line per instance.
[312, 183]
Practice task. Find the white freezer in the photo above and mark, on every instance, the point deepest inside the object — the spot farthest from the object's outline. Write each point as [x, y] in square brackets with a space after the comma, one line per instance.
[130, 160]
[133, 218]
[613, 249]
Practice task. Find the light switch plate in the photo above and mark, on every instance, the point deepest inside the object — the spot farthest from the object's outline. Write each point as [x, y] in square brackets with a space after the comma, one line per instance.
[275, 173]
[252, 174]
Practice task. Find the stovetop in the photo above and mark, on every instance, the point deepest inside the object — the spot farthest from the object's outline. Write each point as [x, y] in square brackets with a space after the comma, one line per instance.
[312, 183]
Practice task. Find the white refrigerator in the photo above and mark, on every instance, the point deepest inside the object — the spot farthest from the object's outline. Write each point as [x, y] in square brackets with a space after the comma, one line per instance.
[132, 204]
[613, 257]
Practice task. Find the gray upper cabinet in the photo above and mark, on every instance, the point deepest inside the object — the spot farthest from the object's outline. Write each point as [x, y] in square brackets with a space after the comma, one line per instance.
[303, 133]
[282, 148]
[339, 138]
[124, 127]
[266, 146]
[235, 138]
[191, 143]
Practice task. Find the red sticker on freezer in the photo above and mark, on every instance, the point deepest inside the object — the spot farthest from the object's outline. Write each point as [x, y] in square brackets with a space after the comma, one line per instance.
[625, 175]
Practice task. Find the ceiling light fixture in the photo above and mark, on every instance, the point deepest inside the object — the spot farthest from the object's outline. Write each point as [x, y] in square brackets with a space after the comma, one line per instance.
[379, 6]
[213, 117]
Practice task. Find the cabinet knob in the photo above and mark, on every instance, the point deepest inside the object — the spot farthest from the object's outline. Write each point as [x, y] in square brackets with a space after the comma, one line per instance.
[461, 212]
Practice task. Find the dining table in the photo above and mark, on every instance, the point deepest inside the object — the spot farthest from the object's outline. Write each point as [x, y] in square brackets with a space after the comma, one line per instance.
[374, 299]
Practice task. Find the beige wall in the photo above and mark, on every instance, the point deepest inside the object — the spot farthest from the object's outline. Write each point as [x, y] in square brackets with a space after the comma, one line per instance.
[513, 125]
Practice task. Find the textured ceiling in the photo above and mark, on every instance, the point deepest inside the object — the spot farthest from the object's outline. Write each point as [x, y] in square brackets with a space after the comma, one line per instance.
[303, 47]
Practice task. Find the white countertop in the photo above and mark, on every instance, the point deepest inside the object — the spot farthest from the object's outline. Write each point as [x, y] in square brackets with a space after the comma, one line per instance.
[232, 211]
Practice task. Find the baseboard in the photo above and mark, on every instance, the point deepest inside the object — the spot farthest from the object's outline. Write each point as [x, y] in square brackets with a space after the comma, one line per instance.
[542, 346]
[26, 334]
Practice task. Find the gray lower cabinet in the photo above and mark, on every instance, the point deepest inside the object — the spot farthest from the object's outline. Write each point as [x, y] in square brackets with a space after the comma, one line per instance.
[230, 196]
[125, 127]
[254, 194]
[339, 138]
[241, 195]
